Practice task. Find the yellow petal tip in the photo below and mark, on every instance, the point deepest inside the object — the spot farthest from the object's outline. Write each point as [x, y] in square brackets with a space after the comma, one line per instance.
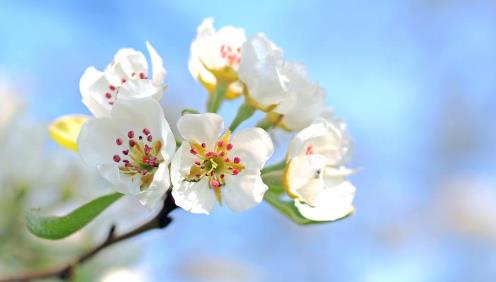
[65, 130]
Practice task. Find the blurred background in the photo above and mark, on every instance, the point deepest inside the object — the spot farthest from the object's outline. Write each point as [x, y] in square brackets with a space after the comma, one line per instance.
[415, 80]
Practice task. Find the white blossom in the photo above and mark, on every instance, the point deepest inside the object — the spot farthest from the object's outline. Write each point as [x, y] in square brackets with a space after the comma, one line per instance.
[315, 174]
[131, 149]
[122, 79]
[214, 52]
[212, 165]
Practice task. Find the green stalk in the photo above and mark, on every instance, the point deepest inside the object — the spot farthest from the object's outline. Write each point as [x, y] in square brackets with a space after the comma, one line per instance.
[245, 111]
[265, 124]
[275, 167]
[215, 101]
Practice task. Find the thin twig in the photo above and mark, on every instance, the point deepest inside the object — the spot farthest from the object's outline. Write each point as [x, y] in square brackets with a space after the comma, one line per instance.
[66, 272]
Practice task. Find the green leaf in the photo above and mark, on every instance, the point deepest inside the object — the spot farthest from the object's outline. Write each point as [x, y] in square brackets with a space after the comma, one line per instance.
[290, 210]
[55, 227]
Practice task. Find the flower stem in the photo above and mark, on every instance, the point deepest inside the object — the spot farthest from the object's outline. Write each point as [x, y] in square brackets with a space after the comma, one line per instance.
[189, 111]
[245, 111]
[217, 98]
[278, 166]
[265, 124]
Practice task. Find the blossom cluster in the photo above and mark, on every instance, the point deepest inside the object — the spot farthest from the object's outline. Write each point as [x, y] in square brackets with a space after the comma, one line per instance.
[130, 142]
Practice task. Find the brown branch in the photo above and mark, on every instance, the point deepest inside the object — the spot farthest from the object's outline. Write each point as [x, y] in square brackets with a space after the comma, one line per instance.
[66, 272]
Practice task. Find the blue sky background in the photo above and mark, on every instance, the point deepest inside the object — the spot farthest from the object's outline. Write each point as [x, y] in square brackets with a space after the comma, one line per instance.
[415, 80]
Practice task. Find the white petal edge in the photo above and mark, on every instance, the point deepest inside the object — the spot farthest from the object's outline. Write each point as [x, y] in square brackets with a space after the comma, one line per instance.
[201, 128]
[244, 191]
[89, 80]
[159, 186]
[195, 197]
[158, 69]
[331, 204]
[253, 146]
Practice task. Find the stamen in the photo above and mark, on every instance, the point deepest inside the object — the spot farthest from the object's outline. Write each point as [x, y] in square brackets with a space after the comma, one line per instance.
[132, 143]
[108, 95]
[148, 149]
[229, 147]
[203, 145]
[237, 160]
[309, 150]
[125, 152]
[111, 87]
[149, 138]
[193, 151]
[130, 134]
[118, 141]
[116, 158]
[235, 171]
[146, 131]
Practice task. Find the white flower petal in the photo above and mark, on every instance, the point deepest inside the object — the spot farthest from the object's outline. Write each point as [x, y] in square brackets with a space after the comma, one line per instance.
[324, 138]
[244, 191]
[200, 128]
[206, 49]
[159, 71]
[305, 177]
[97, 142]
[305, 101]
[253, 146]
[181, 164]
[159, 186]
[139, 88]
[136, 114]
[195, 197]
[127, 63]
[122, 183]
[261, 69]
[331, 204]
[93, 86]
[335, 176]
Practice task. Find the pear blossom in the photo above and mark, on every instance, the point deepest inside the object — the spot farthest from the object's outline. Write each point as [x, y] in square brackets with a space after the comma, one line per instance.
[216, 55]
[261, 69]
[121, 79]
[315, 175]
[305, 101]
[131, 148]
[212, 164]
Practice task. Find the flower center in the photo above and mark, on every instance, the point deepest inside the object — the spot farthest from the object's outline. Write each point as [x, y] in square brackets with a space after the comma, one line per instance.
[214, 164]
[113, 90]
[139, 157]
[231, 55]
